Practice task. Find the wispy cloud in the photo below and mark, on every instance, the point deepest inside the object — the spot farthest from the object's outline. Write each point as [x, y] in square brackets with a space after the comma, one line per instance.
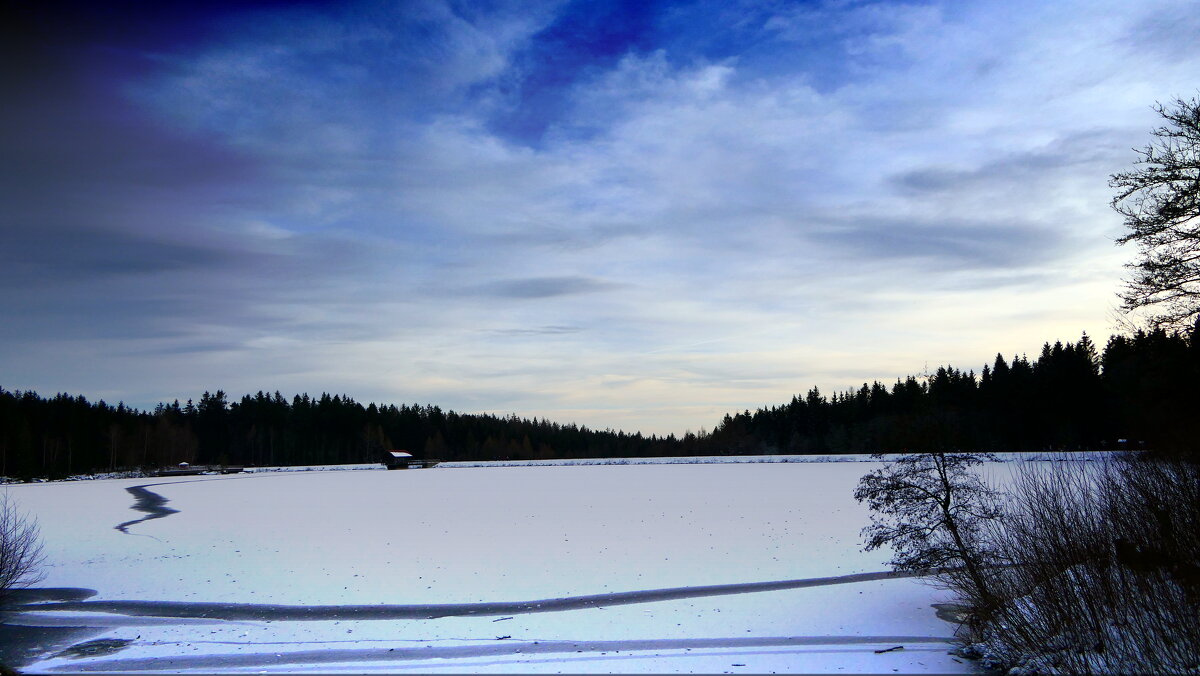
[539, 331]
[542, 287]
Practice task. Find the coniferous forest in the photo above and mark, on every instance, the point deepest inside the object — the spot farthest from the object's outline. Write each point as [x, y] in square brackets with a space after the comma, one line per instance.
[1139, 391]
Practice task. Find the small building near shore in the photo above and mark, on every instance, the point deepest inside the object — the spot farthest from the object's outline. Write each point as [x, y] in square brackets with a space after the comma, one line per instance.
[405, 460]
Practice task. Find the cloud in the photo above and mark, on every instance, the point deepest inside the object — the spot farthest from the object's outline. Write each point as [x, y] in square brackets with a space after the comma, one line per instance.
[541, 287]
[32, 256]
[951, 244]
[1090, 150]
[539, 331]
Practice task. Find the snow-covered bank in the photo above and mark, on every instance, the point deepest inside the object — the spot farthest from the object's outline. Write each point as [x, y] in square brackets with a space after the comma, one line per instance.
[563, 462]
[475, 535]
[314, 468]
[758, 459]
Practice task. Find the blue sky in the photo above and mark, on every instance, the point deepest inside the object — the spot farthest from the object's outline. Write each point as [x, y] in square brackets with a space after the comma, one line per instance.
[635, 215]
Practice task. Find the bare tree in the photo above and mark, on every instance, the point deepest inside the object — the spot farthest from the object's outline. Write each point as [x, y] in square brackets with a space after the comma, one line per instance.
[1160, 201]
[929, 507]
[21, 554]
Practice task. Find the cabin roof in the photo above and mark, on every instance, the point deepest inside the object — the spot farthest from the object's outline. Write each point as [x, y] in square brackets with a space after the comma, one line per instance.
[400, 454]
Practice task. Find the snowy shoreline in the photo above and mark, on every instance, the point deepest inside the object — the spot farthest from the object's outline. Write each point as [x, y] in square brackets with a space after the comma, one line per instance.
[1038, 456]
[1032, 456]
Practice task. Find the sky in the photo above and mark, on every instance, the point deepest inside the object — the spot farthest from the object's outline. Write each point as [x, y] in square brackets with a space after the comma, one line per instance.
[628, 215]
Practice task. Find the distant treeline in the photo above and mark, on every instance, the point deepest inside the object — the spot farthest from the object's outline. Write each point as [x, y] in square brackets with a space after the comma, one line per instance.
[1143, 388]
[1143, 391]
[68, 435]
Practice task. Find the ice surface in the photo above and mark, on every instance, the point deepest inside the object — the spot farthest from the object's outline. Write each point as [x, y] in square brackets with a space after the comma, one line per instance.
[482, 535]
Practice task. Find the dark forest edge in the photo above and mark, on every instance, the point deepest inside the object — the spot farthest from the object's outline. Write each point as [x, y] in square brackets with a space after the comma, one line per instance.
[1138, 392]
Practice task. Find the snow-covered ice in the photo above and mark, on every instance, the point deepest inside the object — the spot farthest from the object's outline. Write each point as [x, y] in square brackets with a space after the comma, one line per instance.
[449, 566]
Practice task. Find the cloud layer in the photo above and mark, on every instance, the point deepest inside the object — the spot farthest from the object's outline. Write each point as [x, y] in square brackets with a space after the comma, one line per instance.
[638, 217]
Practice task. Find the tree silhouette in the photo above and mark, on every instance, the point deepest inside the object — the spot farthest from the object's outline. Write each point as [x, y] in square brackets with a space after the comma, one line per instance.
[930, 507]
[1160, 201]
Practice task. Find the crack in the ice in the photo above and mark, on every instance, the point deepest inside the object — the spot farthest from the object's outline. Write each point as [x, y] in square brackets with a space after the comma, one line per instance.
[146, 501]
[491, 649]
[153, 504]
[255, 611]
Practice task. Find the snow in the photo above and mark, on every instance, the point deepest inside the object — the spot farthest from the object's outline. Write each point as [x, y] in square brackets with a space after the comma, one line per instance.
[1039, 456]
[1007, 456]
[412, 544]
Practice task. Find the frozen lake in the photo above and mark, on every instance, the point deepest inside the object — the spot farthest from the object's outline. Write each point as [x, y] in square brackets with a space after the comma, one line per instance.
[705, 568]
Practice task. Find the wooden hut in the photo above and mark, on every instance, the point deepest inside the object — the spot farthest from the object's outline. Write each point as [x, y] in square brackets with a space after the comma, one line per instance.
[405, 460]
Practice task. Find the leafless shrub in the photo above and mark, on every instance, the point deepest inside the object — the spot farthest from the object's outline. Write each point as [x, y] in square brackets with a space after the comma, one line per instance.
[931, 509]
[1099, 568]
[21, 554]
